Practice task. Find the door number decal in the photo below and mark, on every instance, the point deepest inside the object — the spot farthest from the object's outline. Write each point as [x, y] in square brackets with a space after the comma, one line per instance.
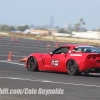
[54, 62]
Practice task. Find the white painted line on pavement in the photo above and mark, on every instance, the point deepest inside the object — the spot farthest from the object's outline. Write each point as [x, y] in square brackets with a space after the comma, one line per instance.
[14, 56]
[44, 81]
[18, 56]
[11, 98]
[34, 46]
[8, 51]
[2, 43]
[12, 62]
[47, 81]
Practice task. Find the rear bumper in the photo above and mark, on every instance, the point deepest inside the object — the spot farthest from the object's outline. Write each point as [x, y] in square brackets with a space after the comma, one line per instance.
[93, 70]
[91, 65]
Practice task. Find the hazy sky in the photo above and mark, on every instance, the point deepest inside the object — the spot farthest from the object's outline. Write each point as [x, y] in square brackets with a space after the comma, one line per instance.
[38, 12]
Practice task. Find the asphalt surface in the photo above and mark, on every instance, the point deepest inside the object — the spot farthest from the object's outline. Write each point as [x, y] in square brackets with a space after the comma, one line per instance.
[13, 75]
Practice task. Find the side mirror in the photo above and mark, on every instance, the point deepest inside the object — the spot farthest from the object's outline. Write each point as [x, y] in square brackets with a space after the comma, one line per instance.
[51, 53]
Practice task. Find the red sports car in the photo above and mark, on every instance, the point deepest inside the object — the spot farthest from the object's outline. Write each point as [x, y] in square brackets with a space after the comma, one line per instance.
[71, 58]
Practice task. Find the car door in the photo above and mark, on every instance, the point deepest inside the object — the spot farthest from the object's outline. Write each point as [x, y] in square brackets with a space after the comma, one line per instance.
[57, 62]
[57, 59]
[47, 60]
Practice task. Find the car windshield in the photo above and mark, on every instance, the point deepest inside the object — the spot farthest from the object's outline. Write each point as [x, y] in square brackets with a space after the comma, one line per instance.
[87, 49]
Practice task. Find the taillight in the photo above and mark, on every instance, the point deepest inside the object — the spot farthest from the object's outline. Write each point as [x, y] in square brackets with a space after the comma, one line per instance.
[94, 56]
[89, 56]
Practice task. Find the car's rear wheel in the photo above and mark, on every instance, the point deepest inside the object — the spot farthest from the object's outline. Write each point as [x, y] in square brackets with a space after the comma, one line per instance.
[72, 68]
[32, 64]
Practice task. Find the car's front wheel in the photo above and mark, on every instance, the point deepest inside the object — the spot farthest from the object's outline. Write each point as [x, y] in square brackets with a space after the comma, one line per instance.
[72, 68]
[32, 64]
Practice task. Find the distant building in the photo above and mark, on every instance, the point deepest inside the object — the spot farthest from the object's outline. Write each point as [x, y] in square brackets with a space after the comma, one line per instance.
[42, 32]
[68, 27]
[51, 22]
[26, 31]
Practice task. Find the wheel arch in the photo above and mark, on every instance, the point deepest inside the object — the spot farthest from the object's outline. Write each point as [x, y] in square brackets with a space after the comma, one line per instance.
[29, 58]
[70, 59]
[34, 56]
[75, 62]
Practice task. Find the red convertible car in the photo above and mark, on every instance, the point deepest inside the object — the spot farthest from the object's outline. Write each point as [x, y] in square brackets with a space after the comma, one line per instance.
[70, 58]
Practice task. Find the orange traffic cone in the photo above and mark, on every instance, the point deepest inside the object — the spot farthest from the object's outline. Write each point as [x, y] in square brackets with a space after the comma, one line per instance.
[38, 39]
[9, 56]
[12, 39]
[23, 60]
[48, 47]
[16, 42]
[50, 42]
[0, 36]
[56, 45]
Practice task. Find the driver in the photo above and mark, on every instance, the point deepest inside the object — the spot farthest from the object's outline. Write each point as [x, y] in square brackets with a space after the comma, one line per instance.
[62, 53]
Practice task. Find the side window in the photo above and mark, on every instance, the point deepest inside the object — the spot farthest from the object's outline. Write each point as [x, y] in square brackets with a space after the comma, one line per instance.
[65, 49]
[82, 49]
[78, 49]
[61, 50]
[86, 49]
[57, 51]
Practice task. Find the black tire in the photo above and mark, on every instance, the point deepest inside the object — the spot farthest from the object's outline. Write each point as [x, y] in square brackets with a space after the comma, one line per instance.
[32, 64]
[72, 68]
